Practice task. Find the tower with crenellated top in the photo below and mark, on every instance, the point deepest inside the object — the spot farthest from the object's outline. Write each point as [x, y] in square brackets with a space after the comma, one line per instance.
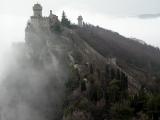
[37, 10]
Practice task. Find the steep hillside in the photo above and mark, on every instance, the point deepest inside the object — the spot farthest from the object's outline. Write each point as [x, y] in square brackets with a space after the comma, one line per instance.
[131, 55]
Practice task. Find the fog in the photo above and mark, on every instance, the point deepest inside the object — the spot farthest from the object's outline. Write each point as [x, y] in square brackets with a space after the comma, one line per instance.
[30, 90]
[12, 30]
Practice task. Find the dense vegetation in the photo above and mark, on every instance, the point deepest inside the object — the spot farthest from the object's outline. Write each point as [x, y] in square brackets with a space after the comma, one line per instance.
[65, 21]
[92, 98]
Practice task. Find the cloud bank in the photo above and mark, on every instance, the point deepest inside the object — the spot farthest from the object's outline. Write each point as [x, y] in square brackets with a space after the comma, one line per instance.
[149, 16]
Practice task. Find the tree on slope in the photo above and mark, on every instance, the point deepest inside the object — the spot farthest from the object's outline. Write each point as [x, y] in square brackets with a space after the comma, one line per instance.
[65, 22]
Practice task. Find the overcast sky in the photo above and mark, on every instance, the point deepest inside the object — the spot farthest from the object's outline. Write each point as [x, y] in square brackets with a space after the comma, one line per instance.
[131, 18]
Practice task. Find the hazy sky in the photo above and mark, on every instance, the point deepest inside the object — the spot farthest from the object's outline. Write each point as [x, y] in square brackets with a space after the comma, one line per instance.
[119, 15]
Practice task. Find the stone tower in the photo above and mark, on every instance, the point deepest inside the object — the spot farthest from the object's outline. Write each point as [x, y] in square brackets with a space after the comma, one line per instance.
[80, 21]
[37, 10]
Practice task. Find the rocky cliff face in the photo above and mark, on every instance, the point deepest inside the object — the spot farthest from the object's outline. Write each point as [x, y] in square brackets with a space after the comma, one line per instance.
[72, 57]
